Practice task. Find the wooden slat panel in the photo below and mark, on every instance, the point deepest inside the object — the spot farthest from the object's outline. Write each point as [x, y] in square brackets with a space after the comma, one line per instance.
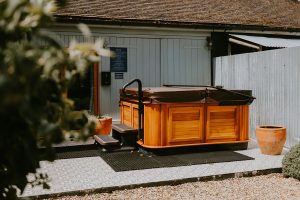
[147, 124]
[222, 115]
[189, 127]
[127, 115]
[244, 122]
[164, 124]
[181, 124]
[222, 122]
[135, 116]
[152, 134]
[184, 116]
[155, 125]
[223, 128]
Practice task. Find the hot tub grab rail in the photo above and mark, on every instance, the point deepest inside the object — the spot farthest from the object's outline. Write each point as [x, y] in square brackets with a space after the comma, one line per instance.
[140, 105]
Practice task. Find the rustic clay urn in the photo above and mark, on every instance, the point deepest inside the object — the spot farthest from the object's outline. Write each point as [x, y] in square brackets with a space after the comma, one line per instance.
[104, 125]
[271, 139]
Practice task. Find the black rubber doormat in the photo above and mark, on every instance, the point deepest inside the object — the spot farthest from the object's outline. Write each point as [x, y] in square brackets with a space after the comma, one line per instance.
[126, 161]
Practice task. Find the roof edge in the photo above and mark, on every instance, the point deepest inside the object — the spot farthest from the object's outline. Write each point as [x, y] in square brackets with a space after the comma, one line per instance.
[158, 23]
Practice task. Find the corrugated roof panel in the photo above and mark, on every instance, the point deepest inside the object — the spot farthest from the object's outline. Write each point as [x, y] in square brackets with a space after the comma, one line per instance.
[270, 42]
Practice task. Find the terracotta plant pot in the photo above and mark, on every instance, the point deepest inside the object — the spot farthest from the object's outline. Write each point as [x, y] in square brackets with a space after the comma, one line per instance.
[271, 139]
[104, 126]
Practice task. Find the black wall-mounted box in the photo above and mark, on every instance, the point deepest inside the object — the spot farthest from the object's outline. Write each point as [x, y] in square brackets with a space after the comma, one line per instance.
[105, 78]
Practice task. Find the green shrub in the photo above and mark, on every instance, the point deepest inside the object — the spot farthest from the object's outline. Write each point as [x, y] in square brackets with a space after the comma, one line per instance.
[291, 163]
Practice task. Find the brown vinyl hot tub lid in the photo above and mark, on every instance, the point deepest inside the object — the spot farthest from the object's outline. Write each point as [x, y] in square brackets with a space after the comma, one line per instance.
[190, 94]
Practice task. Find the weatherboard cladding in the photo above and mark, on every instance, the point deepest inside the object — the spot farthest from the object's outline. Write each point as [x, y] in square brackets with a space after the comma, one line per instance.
[266, 13]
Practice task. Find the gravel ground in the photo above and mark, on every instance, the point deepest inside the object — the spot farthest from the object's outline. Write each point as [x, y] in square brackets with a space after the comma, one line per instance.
[270, 187]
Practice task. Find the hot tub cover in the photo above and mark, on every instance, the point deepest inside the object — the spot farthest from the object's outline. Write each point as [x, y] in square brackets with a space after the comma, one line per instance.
[180, 94]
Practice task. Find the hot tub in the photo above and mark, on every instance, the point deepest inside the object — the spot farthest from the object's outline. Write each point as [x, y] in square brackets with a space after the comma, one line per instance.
[175, 116]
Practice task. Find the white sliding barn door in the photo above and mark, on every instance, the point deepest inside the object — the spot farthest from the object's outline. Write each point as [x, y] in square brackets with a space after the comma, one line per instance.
[185, 62]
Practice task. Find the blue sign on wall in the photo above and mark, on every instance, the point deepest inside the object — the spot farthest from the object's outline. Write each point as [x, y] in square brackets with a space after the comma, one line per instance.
[118, 63]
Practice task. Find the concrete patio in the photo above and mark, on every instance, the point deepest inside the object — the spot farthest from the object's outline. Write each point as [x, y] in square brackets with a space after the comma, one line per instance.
[92, 174]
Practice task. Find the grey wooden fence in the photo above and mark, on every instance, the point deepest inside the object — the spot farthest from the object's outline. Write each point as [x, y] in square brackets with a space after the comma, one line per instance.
[274, 78]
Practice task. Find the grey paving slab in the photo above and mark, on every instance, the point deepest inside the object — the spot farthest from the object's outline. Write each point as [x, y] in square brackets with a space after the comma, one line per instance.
[93, 173]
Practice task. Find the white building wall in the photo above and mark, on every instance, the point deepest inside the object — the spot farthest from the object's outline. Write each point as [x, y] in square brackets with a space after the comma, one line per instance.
[156, 56]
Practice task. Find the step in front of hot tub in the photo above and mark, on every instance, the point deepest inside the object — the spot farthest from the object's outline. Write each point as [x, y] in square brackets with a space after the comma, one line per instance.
[107, 142]
[123, 128]
[125, 134]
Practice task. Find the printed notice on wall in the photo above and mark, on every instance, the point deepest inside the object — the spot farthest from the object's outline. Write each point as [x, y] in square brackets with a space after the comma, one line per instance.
[119, 75]
[118, 62]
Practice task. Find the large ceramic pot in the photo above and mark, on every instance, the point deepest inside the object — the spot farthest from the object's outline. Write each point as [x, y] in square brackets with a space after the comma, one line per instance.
[104, 125]
[271, 139]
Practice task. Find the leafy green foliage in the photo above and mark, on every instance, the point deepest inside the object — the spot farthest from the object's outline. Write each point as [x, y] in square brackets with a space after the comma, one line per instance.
[34, 111]
[291, 163]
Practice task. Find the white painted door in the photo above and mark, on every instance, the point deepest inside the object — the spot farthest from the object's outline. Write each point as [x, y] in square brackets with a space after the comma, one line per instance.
[143, 62]
[185, 62]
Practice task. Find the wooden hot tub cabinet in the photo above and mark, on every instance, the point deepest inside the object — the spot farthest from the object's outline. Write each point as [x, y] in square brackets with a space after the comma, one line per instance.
[202, 121]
